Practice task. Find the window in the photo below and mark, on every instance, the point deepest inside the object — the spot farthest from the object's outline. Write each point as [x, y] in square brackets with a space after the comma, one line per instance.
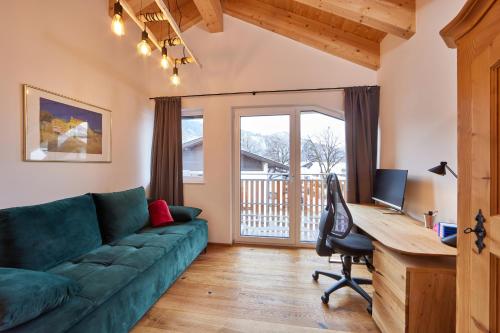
[192, 146]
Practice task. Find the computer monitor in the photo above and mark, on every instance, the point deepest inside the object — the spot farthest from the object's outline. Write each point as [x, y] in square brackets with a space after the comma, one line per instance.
[389, 187]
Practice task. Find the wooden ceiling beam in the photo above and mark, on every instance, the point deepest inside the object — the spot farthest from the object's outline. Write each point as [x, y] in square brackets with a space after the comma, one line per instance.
[391, 16]
[307, 31]
[211, 12]
[190, 17]
[166, 12]
[134, 5]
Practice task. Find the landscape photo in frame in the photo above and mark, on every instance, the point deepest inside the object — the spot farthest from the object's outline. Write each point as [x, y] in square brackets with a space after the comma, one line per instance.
[59, 128]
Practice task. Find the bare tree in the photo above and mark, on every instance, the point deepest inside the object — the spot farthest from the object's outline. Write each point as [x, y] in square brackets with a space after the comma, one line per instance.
[278, 148]
[251, 142]
[325, 148]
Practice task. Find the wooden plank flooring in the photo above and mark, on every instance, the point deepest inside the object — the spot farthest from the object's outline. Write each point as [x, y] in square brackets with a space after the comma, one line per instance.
[257, 289]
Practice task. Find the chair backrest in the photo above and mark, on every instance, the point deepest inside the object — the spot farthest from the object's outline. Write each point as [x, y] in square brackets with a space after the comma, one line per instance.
[336, 220]
[342, 221]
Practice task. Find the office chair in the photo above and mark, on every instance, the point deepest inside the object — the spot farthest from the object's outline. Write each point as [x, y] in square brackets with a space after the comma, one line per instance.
[335, 236]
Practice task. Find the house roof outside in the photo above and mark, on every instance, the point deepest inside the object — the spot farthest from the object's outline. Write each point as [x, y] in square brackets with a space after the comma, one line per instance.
[272, 164]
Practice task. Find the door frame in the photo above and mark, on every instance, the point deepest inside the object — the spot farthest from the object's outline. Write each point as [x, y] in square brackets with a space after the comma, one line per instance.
[294, 112]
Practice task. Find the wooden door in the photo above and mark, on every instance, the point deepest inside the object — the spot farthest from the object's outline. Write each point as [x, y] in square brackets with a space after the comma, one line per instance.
[476, 34]
[485, 188]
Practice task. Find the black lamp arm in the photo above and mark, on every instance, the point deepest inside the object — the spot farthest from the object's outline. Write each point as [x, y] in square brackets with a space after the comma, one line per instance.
[451, 171]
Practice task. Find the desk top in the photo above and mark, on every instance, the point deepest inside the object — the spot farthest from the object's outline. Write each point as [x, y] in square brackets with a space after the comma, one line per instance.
[399, 232]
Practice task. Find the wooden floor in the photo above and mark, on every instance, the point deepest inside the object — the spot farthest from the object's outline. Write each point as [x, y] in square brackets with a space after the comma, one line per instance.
[257, 289]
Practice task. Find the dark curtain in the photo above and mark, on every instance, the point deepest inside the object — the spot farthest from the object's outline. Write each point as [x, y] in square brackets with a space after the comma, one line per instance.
[166, 156]
[361, 121]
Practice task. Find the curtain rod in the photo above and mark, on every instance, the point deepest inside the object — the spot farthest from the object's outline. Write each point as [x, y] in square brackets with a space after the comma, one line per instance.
[261, 92]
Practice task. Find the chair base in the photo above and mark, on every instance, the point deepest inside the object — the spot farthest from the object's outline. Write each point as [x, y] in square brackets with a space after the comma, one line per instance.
[345, 280]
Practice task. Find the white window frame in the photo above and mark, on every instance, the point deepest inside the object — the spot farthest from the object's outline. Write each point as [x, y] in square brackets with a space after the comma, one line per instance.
[194, 113]
[294, 111]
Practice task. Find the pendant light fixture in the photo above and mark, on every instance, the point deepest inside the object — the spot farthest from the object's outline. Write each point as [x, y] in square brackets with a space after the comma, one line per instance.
[117, 25]
[164, 58]
[164, 53]
[143, 47]
[175, 79]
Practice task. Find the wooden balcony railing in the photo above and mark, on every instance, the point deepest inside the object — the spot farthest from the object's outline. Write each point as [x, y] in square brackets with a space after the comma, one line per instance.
[265, 206]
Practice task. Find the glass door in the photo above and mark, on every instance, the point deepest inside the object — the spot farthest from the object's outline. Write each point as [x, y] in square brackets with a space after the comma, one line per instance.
[282, 158]
[322, 138]
[264, 176]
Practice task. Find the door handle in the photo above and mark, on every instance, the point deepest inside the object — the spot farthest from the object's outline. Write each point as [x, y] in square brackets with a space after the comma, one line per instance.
[479, 230]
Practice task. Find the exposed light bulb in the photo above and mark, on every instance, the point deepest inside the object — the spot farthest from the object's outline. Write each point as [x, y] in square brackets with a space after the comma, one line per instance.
[164, 58]
[117, 25]
[175, 79]
[143, 47]
[164, 62]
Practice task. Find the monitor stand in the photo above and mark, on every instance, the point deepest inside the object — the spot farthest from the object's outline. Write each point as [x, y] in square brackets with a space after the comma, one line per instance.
[391, 211]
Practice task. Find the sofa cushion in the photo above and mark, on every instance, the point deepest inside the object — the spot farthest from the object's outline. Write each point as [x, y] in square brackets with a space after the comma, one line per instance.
[60, 319]
[174, 228]
[25, 294]
[184, 213]
[165, 241]
[139, 257]
[159, 214]
[42, 236]
[121, 213]
[99, 282]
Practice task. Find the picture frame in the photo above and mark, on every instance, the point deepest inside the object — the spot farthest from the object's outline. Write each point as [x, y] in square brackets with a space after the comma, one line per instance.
[58, 128]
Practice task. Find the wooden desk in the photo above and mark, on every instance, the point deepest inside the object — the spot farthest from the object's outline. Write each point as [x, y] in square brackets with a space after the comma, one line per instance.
[414, 277]
[399, 232]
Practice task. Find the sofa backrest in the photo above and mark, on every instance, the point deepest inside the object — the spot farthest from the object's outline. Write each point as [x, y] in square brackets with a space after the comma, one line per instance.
[42, 236]
[121, 213]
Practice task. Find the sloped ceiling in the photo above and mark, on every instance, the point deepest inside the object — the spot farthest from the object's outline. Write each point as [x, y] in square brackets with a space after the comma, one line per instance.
[350, 29]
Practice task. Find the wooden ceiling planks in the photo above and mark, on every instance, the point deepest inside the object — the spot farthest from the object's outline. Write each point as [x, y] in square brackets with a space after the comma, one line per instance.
[350, 29]
[396, 17]
[306, 30]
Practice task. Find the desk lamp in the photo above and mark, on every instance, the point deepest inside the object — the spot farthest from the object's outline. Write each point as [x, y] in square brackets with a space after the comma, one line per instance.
[441, 170]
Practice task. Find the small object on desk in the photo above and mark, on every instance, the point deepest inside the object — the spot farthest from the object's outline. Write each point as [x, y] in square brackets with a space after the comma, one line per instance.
[429, 218]
[450, 240]
[447, 229]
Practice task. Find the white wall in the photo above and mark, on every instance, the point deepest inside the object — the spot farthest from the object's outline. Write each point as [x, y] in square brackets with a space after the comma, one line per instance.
[418, 121]
[245, 57]
[67, 47]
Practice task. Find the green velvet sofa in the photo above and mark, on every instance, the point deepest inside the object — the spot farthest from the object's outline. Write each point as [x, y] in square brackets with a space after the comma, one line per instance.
[90, 263]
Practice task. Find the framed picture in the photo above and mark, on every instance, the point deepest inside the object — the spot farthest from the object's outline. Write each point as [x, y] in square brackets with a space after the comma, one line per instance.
[62, 129]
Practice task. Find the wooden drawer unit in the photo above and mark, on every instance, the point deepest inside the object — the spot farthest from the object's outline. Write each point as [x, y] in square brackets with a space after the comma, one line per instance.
[413, 294]
[391, 271]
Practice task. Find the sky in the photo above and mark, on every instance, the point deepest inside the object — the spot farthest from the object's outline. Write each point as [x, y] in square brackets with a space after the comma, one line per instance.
[311, 123]
[65, 111]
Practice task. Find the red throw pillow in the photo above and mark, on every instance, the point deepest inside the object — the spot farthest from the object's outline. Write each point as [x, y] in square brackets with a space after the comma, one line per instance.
[159, 213]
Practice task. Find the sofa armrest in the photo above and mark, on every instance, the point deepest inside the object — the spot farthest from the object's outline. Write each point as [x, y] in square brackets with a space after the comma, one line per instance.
[26, 294]
[184, 213]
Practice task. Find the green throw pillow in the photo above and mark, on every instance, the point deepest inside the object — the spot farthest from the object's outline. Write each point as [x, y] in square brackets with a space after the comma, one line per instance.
[26, 294]
[183, 213]
[121, 213]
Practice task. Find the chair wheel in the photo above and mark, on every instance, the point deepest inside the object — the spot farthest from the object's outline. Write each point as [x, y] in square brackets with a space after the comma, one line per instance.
[315, 276]
[325, 299]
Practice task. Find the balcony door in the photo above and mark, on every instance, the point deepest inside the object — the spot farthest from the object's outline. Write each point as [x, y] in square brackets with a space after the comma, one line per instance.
[282, 156]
